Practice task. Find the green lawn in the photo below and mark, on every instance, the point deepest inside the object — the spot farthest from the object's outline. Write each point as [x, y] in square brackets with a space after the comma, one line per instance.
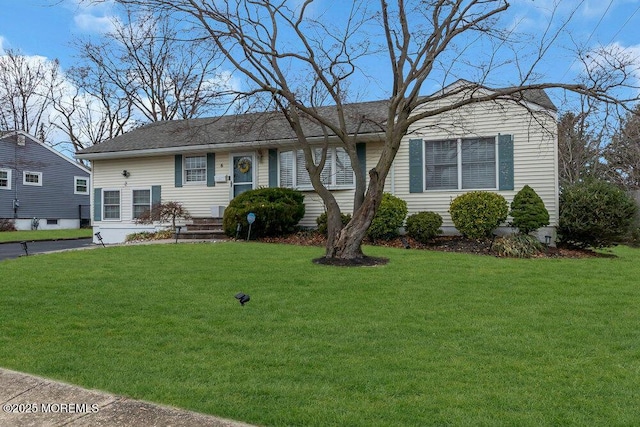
[429, 339]
[32, 235]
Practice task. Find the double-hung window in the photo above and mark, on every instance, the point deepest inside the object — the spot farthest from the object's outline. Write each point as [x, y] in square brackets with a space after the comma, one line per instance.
[5, 179]
[461, 164]
[80, 185]
[111, 205]
[141, 202]
[32, 178]
[195, 169]
[337, 171]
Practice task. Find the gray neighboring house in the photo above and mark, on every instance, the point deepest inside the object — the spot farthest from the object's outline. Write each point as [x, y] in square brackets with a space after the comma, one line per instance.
[39, 185]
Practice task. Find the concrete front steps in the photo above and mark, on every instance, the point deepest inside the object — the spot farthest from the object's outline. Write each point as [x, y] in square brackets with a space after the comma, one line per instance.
[203, 229]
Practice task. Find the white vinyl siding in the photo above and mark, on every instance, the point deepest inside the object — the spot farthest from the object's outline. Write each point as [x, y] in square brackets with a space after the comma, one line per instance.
[5, 179]
[195, 169]
[141, 202]
[534, 154]
[337, 172]
[111, 205]
[32, 178]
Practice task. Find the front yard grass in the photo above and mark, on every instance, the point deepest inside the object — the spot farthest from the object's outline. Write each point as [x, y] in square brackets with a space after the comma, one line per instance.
[431, 338]
[33, 235]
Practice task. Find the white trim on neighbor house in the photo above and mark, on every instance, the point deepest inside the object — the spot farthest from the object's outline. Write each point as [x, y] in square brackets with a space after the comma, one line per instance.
[7, 179]
[77, 188]
[32, 178]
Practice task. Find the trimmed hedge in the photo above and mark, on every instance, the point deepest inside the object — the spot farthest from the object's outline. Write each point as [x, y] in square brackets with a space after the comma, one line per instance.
[477, 213]
[424, 226]
[277, 210]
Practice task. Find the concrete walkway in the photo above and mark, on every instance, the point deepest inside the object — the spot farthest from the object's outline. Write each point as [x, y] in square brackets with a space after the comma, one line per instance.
[29, 401]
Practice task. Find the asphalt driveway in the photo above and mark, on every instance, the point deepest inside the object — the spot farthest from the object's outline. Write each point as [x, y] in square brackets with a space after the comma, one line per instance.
[14, 250]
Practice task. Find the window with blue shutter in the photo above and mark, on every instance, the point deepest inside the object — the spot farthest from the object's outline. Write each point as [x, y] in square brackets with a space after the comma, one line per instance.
[273, 167]
[178, 170]
[416, 167]
[97, 204]
[505, 162]
[211, 169]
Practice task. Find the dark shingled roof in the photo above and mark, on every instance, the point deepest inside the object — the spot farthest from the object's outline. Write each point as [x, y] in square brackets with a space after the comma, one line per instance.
[254, 127]
[269, 128]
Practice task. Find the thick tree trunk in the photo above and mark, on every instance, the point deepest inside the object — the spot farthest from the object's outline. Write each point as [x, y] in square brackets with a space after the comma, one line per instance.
[346, 243]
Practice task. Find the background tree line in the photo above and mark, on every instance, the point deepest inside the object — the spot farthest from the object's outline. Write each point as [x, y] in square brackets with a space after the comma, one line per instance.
[139, 72]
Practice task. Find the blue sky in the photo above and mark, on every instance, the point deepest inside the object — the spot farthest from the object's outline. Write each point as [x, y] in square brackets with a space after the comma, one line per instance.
[47, 28]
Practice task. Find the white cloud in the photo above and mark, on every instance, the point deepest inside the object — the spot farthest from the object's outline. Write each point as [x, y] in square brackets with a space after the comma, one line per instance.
[2, 44]
[95, 24]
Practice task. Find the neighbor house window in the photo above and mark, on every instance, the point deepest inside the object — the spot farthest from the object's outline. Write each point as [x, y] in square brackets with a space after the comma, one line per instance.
[32, 178]
[111, 205]
[5, 179]
[337, 171]
[80, 185]
[141, 202]
[195, 169]
[462, 164]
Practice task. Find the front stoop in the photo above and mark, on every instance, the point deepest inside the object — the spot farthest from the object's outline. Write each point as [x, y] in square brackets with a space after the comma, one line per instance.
[203, 228]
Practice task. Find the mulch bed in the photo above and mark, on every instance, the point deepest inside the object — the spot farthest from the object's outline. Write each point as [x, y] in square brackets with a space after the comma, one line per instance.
[441, 243]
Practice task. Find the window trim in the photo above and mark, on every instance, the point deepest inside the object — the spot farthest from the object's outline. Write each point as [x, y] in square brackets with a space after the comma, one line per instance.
[104, 205]
[75, 185]
[133, 205]
[459, 142]
[184, 170]
[9, 178]
[34, 184]
[332, 171]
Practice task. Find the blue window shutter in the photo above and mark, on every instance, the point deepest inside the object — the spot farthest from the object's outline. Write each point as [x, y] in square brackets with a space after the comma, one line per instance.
[156, 195]
[211, 169]
[97, 204]
[416, 166]
[361, 152]
[505, 162]
[178, 169]
[273, 167]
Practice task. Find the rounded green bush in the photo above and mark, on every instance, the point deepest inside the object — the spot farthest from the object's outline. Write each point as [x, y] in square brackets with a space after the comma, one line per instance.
[594, 214]
[424, 226]
[477, 213]
[322, 221]
[389, 217]
[277, 210]
[528, 211]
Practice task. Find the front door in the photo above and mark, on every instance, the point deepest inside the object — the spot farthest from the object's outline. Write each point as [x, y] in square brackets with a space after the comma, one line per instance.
[243, 173]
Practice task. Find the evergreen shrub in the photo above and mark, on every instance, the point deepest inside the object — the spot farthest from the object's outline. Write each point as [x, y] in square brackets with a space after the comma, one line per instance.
[477, 213]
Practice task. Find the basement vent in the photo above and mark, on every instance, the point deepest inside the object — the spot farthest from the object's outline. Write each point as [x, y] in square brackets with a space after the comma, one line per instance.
[21, 140]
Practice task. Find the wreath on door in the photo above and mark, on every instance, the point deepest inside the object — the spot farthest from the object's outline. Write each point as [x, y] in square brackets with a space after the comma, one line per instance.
[244, 165]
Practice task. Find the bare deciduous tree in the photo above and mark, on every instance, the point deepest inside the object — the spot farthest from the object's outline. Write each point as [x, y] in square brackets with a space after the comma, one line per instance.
[89, 110]
[144, 62]
[27, 85]
[303, 58]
